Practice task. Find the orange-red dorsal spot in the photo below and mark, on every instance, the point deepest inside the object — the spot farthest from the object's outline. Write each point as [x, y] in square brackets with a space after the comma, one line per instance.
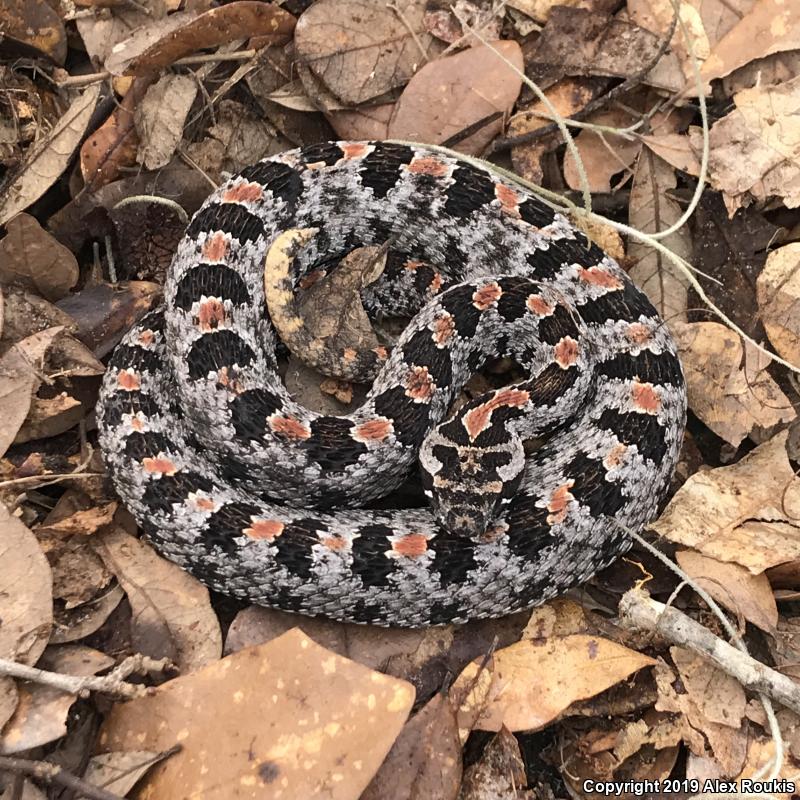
[638, 333]
[566, 352]
[444, 327]
[349, 355]
[597, 276]
[429, 165]
[410, 545]
[374, 430]
[419, 384]
[146, 338]
[615, 456]
[646, 398]
[289, 427]
[487, 296]
[508, 197]
[335, 543]
[203, 503]
[210, 314]
[435, 285]
[538, 305]
[128, 380]
[559, 503]
[137, 424]
[478, 419]
[244, 192]
[381, 351]
[269, 529]
[354, 150]
[160, 464]
[215, 247]
[412, 265]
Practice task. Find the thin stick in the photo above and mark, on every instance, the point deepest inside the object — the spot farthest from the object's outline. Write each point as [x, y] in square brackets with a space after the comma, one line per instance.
[638, 610]
[113, 683]
[53, 773]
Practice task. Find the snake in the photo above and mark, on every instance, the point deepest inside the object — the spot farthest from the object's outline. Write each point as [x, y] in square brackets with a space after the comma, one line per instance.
[524, 491]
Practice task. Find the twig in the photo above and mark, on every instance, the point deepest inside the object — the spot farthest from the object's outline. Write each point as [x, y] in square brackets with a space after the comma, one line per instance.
[113, 683]
[629, 83]
[53, 773]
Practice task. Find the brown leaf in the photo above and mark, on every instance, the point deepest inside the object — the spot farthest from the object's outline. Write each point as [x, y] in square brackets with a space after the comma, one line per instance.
[288, 719]
[360, 49]
[172, 614]
[729, 386]
[749, 596]
[160, 117]
[499, 773]
[528, 684]
[26, 602]
[41, 716]
[156, 46]
[745, 514]
[450, 94]
[119, 772]
[778, 293]
[425, 760]
[34, 24]
[71, 625]
[770, 26]
[48, 158]
[18, 382]
[651, 210]
[30, 257]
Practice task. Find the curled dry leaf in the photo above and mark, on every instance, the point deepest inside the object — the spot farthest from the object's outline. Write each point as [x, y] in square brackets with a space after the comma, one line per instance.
[30, 257]
[425, 760]
[41, 716]
[749, 596]
[34, 24]
[287, 719]
[747, 514]
[651, 210]
[728, 384]
[160, 117]
[156, 46]
[18, 382]
[48, 158]
[778, 293]
[528, 684]
[172, 614]
[499, 773]
[26, 601]
[450, 94]
[360, 49]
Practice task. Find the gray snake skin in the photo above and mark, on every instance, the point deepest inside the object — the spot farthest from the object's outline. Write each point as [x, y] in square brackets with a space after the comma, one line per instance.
[264, 500]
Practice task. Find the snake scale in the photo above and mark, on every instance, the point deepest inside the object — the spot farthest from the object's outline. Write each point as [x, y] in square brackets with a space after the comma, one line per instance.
[264, 500]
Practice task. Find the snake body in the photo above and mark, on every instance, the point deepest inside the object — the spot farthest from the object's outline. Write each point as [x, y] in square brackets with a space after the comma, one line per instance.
[264, 500]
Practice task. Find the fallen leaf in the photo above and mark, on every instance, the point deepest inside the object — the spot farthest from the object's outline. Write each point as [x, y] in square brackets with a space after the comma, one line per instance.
[26, 602]
[49, 157]
[30, 257]
[745, 514]
[778, 294]
[160, 117]
[448, 95]
[531, 682]
[499, 773]
[287, 719]
[18, 382]
[172, 614]
[71, 625]
[425, 759]
[749, 596]
[651, 210]
[729, 386]
[676, 149]
[119, 772]
[360, 49]
[34, 24]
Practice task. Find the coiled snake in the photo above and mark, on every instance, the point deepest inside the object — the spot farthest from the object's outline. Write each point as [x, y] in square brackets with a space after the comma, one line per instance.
[264, 500]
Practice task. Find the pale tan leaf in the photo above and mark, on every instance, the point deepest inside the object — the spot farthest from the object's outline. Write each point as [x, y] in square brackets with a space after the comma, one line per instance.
[778, 293]
[18, 381]
[48, 158]
[119, 772]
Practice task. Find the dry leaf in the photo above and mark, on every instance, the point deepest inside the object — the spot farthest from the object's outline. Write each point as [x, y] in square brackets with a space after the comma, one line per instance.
[287, 719]
[499, 773]
[528, 684]
[675, 149]
[26, 602]
[450, 94]
[160, 116]
[48, 158]
[18, 382]
[749, 596]
[651, 210]
[119, 772]
[745, 514]
[360, 49]
[728, 384]
[172, 614]
[778, 293]
[35, 24]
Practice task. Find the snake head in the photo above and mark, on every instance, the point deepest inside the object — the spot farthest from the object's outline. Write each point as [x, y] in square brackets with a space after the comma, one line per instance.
[469, 485]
